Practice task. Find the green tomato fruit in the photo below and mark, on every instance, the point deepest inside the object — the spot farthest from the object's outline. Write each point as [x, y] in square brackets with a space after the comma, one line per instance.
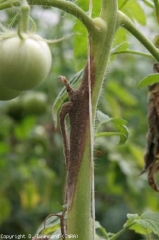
[24, 63]
[15, 109]
[7, 93]
[34, 103]
[39, 136]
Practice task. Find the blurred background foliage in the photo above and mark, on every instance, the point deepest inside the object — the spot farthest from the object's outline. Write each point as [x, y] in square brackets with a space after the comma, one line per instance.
[32, 169]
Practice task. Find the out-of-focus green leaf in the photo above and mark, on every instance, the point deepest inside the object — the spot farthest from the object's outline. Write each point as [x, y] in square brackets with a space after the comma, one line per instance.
[133, 10]
[80, 45]
[83, 4]
[137, 153]
[120, 39]
[119, 121]
[121, 4]
[63, 95]
[121, 47]
[4, 148]
[136, 11]
[22, 129]
[149, 80]
[5, 208]
[96, 8]
[119, 124]
[148, 3]
[29, 196]
[122, 94]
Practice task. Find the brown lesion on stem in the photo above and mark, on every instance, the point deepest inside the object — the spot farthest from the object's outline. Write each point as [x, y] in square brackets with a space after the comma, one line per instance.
[152, 137]
[77, 110]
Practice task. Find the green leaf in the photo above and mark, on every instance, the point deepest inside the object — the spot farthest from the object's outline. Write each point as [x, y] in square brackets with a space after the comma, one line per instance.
[121, 3]
[80, 44]
[96, 8]
[134, 11]
[137, 11]
[55, 235]
[103, 118]
[148, 3]
[124, 133]
[119, 123]
[131, 219]
[22, 130]
[62, 96]
[52, 224]
[120, 39]
[144, 224]
[149, 80]
[120, 47]
[120, 93]
[140, 229]
[132, 225]
[150, 221]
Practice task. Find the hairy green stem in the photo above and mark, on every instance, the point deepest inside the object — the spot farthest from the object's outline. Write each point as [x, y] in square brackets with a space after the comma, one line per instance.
[125, 22]
[24, 21]
[9, 4]
[101, 47]
[156, 9]
[80, 213]
[118, 234]
[132, 52]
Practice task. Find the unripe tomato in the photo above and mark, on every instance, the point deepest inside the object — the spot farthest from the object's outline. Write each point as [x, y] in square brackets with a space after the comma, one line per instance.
[15, 109]
[24, 63]
[39, 136]
[7, 94]
[34, 103]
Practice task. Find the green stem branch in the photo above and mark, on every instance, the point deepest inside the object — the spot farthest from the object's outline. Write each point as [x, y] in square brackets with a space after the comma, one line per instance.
[66, 6]
[156, 9]
[101, 48]
[118, 234]
[133, 52]
[125, 22]
[24, 21]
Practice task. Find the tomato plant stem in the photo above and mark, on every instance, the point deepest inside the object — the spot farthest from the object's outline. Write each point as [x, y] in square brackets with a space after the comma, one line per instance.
[24, 21]
[80, 222]
[125, 22]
